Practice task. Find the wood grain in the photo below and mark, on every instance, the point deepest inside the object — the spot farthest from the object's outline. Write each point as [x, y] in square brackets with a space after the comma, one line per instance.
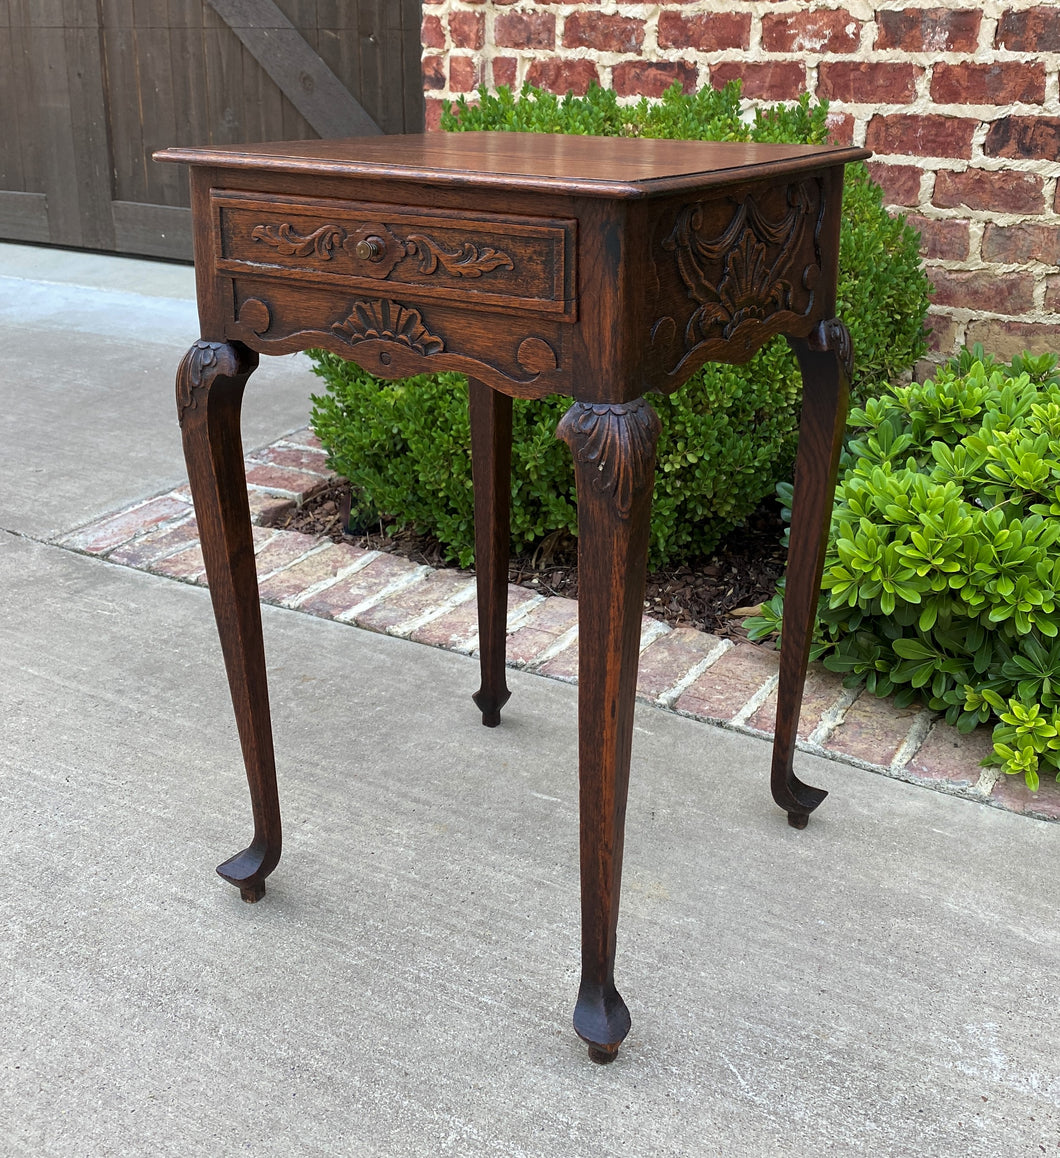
[729, 244]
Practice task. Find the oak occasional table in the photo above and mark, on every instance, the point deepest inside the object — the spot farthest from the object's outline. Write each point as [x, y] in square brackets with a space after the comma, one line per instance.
[601, 269]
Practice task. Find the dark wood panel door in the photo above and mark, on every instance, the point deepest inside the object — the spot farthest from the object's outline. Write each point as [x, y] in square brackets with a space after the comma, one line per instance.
[89, 89]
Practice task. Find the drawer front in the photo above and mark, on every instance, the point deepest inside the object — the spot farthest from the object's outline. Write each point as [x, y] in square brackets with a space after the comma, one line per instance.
[480, 259]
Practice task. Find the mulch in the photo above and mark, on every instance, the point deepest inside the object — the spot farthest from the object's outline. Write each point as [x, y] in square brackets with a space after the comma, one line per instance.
[715, 594]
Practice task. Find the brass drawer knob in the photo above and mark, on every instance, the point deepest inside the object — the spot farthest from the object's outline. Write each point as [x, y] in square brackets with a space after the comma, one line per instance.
[371, 249]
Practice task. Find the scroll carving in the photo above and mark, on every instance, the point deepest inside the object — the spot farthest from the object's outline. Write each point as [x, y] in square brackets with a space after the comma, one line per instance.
[288, 242]
[833, 336]
[617, 442]
[204, 362]
[387, 321]
[467, 260]
[760, 266]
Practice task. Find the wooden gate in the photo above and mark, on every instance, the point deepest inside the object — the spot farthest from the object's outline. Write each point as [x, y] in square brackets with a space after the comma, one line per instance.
[90, 88]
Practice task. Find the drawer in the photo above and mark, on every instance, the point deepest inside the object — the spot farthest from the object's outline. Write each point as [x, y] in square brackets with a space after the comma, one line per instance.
[479, 259]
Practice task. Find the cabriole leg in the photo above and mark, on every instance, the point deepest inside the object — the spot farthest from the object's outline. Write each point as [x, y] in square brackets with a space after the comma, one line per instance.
[614, 457]
[825, 358]
[210, 385]
[491, 465]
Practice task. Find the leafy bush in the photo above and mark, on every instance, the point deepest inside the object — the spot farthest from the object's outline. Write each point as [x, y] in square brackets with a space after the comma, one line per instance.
[727, 435]
[942, 579]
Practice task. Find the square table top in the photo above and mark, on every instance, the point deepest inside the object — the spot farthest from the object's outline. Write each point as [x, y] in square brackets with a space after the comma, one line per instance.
[611, 167]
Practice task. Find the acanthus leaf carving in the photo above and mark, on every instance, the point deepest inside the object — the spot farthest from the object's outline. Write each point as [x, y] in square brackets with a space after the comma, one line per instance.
[388, 321]
[617, 442]
[288, 242]
[201, 365]
[467, 261]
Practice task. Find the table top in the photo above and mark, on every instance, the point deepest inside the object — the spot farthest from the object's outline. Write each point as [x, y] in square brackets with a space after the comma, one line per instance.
[613, 167]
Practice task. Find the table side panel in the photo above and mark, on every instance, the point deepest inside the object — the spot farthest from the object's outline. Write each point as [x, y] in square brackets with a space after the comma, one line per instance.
[727, 272]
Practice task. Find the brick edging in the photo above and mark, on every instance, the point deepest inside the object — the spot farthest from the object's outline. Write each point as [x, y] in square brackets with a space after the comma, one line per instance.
[688, 672]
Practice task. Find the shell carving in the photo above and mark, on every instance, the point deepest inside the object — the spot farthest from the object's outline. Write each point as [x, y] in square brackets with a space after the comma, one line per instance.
[387, 321]
[754, 253]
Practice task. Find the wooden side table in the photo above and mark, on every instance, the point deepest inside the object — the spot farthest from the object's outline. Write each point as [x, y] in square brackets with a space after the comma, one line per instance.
[602, 269]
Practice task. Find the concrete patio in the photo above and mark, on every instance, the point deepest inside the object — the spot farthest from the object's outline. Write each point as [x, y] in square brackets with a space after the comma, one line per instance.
[882, 983]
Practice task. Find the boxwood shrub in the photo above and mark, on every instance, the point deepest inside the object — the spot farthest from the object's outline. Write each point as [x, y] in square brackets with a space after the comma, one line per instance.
[942, 579]
[727, 436]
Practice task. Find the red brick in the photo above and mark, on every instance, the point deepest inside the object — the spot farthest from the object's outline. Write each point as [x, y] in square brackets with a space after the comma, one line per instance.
[432, 115]
[562, 76]
[642, 78]
[771, 80]
[840, 128]
[827, 30]
[287, 584]
[820, 692]
[459, 627]
[949, 757]
[604, 33]
[671, 656]
[432, 34]
[1012, 793]
[358, 587]
[505, 71]
[872, 730]
[464, 73]
[165, 540]
[881, 82]
[726, 686]
[415, 600]
[1052, 294]
[284, 479]
[1006, 339]
[433, 72]
[187, 564]
[267, 510]
[943, 336]
[525, 30]
[1003, 192]
[296, 457]
[900, 183]
[705, 31]
[542, 627]
[982, 289]
[281, 549]
[1019, 244]
[103, 534]
[562, 666]
[921, 136]
[1033, 30]
[945, 240]
[1035, 138]
[468, 29]
[1000, 83]
[929, 30]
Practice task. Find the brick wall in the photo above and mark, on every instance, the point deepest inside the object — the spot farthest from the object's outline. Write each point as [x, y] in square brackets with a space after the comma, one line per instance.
[960, 103]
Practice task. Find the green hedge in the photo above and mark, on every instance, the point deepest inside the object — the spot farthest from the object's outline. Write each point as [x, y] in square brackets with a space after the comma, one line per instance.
[727, 436]
[942, 579]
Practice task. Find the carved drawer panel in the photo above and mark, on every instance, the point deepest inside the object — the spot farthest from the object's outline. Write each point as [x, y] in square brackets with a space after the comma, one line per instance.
[479, 259]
